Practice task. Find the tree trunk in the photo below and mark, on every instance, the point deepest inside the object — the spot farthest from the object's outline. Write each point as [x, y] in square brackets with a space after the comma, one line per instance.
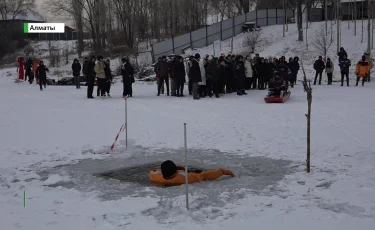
[299, 20]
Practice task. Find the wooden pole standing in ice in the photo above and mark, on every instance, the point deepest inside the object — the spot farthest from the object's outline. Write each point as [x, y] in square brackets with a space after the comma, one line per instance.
[126, 122]
[186, 169]
[308, 89]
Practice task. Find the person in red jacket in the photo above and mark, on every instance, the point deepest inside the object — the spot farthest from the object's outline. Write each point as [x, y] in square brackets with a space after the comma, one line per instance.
[21, 68]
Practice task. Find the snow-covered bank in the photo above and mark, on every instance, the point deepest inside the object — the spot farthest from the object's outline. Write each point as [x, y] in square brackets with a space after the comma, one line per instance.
[59, 126]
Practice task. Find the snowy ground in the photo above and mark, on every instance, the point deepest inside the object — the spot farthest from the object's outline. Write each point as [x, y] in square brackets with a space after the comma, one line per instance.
[47, 141]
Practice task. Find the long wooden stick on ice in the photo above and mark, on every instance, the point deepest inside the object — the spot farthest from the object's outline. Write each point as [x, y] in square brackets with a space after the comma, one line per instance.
[186, 169]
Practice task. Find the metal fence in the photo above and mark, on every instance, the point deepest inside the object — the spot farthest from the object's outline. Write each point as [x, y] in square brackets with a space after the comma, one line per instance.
[219, 31]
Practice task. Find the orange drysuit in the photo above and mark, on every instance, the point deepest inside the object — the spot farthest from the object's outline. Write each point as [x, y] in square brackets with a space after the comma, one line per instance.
[35, 65]
[193, 177]
[362, 69]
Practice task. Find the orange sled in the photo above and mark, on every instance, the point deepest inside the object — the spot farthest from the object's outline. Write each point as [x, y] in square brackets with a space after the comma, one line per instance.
[280, 99]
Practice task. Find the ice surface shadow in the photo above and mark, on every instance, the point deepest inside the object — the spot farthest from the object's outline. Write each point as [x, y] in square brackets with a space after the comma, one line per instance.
[123, 175]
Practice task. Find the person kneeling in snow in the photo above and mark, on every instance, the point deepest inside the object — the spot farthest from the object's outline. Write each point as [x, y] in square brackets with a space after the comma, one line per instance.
[276, 85]
[170, 174]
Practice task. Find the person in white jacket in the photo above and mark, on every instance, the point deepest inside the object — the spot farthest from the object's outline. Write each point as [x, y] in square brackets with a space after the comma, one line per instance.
[249, 72]
[202, 84]
[100, 75]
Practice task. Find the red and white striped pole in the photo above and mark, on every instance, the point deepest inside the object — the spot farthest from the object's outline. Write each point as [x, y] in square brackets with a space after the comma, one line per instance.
[126, 122]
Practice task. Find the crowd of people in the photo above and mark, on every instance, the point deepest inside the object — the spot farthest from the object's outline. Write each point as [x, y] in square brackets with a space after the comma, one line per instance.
[209, 76]
[223, 75]
[94, 68]
[362, 70]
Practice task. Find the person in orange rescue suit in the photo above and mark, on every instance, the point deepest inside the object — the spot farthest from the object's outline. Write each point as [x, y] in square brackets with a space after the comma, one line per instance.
[170, 174]
[35, 66]
[362, 70]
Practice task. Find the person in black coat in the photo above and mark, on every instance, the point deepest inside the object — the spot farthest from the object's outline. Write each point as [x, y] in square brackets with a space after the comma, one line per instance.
[76, 68]
[261, 69]
[41, 74]
[294, 68]
[127, 73]
[90, 77]
[342, 53]
[268, 72]
[195, 75]
[179, 74]
[229, 76]
[344, 64]
[319, 66]
[84, 66]
[108, 77]
[212, 73]
[240, 74]
[28, 70]
[222, 74]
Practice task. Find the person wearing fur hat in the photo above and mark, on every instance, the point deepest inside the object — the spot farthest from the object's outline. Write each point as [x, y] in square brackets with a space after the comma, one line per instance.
[127, 73]
[100, 75]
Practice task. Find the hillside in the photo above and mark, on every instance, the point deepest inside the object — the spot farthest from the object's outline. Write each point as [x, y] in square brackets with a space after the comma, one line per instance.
[272, 43]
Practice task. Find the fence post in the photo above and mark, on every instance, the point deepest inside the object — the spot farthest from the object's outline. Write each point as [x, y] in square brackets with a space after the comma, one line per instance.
[256, 18]
[206, 35]
[267, 16]
[191, 42]
[221, 31]
[152, 53]
[233, 27]
[245, 17]
[277, 19]
[173, 44]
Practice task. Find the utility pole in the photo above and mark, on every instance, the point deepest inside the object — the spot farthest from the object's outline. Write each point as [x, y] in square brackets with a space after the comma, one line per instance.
[368, 27]
[338, 25]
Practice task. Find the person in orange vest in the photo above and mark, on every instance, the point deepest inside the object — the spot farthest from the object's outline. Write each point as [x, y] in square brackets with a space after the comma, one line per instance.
[362, 70]
[170, 174]
[35, 66]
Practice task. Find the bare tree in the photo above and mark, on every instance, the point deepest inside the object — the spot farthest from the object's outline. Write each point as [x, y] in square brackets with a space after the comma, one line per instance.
[321, 41]
[252, 40]
[78, 19]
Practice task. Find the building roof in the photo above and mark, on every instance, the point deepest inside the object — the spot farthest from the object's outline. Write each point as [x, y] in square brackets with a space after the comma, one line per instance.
[348, 1]
[29, 15]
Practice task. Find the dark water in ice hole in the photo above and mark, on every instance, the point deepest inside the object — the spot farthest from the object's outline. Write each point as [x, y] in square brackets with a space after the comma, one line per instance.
[136, 174]
[126, 173]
